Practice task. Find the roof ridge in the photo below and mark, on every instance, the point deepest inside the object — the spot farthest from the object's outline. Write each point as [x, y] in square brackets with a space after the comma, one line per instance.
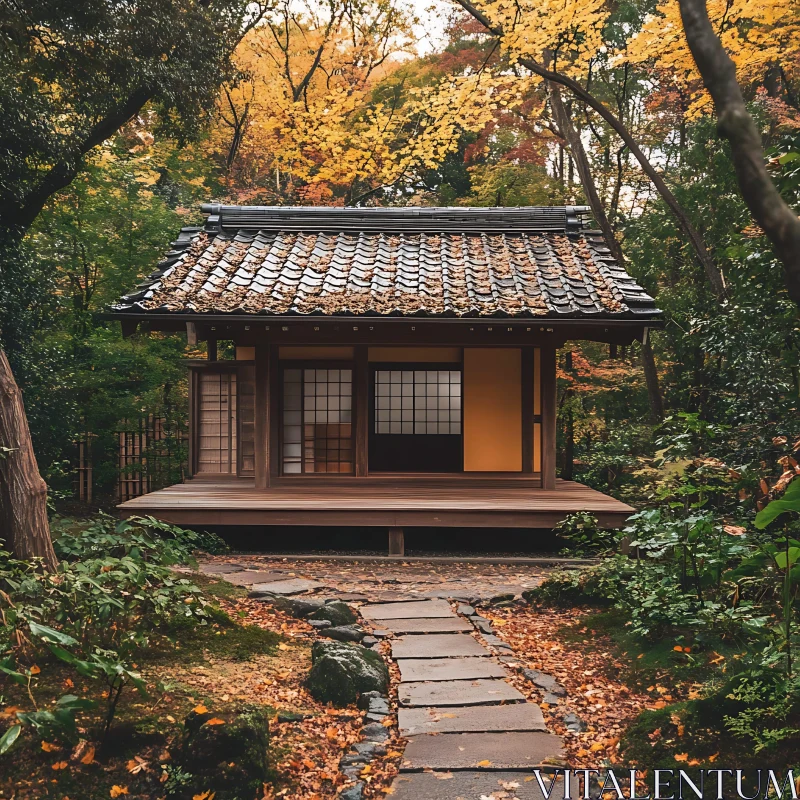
[394, 219]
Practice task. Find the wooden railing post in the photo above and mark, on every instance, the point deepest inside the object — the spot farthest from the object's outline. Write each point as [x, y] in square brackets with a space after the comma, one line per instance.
[548, 383]
[262, 416]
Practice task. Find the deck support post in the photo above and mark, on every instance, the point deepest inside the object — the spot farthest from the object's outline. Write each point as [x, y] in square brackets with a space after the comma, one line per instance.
[262, 424]
[548, 390]
[527, 380]
[361, 410]
[397, 545]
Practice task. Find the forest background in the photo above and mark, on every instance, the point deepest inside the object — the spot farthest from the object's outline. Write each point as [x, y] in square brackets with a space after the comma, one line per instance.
[333, 103]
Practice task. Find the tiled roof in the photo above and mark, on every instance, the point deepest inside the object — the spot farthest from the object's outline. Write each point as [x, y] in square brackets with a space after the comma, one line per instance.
[532, 262]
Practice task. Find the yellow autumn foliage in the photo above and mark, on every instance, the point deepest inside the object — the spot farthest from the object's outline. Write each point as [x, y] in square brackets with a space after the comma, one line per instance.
[759, 37]
[319, 106]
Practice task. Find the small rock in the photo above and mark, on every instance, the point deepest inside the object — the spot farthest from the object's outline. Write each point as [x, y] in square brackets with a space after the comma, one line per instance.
[264, 597]
[551, 699]
[378, 705]
[353, 792]
[483, 625]
[521, 602]
[375, 732]
[500, 599]
[374, 717]
[319, 624]
[574, 723]
[351, 773]
[291, 716]
[467, 611]
[355, 758]
[369, 749]
[336, 612]
[382, 634]
[369, 641]
[344, 633]
[232, 759]
[544, 681]
[365, 698]
[340, 672]
[302, 607]
[496, 641]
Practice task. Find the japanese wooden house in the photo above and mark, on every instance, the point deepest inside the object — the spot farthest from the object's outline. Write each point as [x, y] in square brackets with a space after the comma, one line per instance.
[393, 367]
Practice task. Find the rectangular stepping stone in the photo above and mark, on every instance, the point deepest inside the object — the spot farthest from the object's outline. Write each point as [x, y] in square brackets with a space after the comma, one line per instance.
[414, 609]
[435, 625]
[458, 693]
[437, 645]
[494, 751]
[289, 586]
[448, 669]
[220, 569]
[468, 785]
[470, 719]
[249, 576]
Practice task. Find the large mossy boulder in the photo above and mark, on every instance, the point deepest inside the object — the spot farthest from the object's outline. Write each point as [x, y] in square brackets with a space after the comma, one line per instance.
[337, 613]
[225, 753]
[341, 671]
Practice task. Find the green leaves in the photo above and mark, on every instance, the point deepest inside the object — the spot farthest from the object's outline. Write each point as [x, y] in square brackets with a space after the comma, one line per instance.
[50, 635]
[9, 737]
[788, 503]
[60, 722]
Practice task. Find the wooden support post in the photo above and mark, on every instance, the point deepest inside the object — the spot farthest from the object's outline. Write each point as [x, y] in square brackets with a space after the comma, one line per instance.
[361, 411]
[397, 545]
[194, 428]
[548, 384]
[191, 334]
[262, 416]
[275, 404]
[527, 379]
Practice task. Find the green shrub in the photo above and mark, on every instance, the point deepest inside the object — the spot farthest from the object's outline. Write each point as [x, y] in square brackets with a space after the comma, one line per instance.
[585, 536]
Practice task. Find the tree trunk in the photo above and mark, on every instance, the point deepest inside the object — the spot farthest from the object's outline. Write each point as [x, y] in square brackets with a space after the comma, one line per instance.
[651, 379]
[573, 139]
[780, 223]
[23, 493]
[578, 152]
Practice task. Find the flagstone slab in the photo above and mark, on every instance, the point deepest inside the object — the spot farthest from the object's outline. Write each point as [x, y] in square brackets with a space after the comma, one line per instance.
[435, 625]
[250, 576]
[220, 569]
[412, 609]
[289, 586]
[448, 669]
[458, 693]
[470, 719]
[469, 785]
[437, 645]
[494, 751]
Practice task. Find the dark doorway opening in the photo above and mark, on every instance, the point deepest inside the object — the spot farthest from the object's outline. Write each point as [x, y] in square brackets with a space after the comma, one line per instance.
[415, 418]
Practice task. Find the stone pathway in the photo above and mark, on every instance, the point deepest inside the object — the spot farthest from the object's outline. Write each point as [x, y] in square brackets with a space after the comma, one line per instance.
[385, 582]
[470, 733]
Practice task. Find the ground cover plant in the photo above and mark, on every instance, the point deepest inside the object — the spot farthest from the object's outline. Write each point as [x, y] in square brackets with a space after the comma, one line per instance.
[124, 674]
[705, 602]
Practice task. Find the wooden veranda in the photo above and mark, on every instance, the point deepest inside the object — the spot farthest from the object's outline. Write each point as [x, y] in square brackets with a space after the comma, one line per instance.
[393, 501]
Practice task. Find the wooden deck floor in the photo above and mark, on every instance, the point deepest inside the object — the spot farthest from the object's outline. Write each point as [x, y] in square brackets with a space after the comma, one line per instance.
[396, 501]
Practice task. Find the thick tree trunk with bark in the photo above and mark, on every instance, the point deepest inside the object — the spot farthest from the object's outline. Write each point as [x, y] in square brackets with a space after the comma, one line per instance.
[23, 494]
[780, 223]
